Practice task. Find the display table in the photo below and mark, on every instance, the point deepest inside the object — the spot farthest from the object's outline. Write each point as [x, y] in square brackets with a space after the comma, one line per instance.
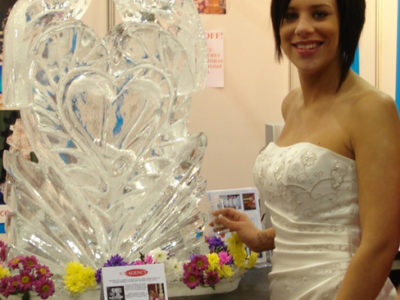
[253, 285]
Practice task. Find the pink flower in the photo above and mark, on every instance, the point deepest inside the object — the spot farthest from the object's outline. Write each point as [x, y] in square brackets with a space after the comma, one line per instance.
[25, 281]
[148, 260]
[138, 262]
[44, 287]
[3, 251]
[188, 267]
[192, 279]
[29, 262]
[212, 278]
[200, 262]
[14, 262]
[5, 284]
[42, 271]
[12, 284]
[224, 257]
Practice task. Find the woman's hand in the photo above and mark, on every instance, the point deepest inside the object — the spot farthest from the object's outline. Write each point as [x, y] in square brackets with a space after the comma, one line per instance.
[234, 220]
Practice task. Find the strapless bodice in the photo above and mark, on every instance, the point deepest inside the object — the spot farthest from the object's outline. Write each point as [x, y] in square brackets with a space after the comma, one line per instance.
[312, 197]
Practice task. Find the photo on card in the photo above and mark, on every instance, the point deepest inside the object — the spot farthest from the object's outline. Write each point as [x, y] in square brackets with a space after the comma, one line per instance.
[115, 293]
[249, 201]
[211, 6]
[156, 291]
[231, 201]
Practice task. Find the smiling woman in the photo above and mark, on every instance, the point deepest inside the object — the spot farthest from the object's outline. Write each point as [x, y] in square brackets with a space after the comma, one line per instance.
[330, 181]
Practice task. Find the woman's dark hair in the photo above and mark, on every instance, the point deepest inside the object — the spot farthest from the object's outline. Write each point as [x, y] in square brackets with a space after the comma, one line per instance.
[351, 16]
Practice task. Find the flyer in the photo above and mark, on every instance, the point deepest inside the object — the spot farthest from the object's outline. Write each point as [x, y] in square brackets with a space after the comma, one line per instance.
[134, 282]
[244, 199]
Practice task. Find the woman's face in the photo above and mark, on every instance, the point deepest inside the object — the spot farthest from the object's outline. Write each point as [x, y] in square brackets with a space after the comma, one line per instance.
[310, 35]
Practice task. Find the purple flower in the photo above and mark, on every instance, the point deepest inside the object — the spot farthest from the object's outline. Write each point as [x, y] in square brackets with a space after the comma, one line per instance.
[98, 275]
[212, 278]
[215, 244]
[115, 260]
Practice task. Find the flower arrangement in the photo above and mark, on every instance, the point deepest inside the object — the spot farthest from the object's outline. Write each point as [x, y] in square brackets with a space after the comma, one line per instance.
[222, 262]
[23, 274]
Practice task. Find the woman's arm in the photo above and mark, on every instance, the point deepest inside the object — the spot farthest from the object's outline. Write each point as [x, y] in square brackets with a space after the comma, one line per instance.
[375, 138]
[257, 240]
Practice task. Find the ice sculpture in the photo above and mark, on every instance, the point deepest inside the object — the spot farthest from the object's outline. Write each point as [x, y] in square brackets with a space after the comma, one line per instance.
[118, 171]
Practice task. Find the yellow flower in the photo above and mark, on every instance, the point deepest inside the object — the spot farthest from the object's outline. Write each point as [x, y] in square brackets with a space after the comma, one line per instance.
[237, 250]
[252, 259]
[226, 271]
[234, 242]
[79, 278]
[4, 272]
[87, 275]
[213, 261]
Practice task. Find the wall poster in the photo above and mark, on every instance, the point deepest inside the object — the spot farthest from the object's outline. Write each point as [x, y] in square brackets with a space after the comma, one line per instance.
[211, 6]
[215, 45]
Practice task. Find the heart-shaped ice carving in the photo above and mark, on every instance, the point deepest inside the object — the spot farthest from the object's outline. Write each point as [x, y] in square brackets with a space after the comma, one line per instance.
[110, 102]
[117, 171]
[113, 117]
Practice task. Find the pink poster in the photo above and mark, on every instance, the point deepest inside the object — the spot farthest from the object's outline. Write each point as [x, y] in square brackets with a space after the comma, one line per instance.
[215, 43]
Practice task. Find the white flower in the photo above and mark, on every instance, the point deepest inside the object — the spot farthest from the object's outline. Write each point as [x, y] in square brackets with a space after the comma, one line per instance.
[158, 255]
[174, 268]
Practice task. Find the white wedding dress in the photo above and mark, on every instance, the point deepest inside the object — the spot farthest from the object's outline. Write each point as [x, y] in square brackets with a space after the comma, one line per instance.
[311, 194]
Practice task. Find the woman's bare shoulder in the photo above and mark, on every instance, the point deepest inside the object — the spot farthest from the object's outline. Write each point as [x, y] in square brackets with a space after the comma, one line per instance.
[364, 98]
[373, 113]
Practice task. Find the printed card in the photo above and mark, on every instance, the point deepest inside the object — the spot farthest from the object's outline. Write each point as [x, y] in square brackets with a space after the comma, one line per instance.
[139, 282]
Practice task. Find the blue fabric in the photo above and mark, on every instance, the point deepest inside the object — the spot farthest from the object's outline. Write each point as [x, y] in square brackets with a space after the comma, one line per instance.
[356, 62]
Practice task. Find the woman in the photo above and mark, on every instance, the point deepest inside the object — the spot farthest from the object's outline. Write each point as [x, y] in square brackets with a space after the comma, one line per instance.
[331, 181]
